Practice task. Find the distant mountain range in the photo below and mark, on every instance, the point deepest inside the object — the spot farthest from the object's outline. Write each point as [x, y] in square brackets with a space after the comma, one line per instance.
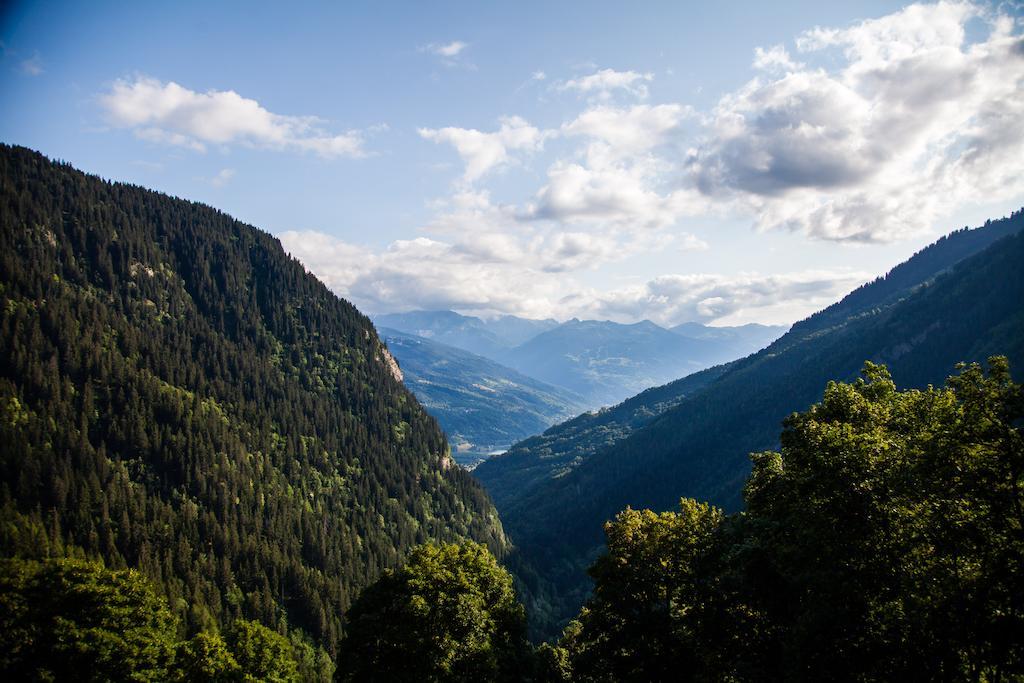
[600, 361]
[606, 362]
[960, 299]
[488, 338]
[482, 405]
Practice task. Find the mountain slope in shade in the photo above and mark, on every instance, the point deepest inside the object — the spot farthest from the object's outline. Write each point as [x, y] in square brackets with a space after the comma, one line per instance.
[565, 446]
[959, 299]
[482, 405]
[179, 395]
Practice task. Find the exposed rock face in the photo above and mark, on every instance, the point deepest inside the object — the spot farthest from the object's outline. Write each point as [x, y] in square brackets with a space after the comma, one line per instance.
[391, 363]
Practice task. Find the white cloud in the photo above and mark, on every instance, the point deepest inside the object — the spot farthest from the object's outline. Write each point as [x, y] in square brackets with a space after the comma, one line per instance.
[617, 179]
[608, 193]
[482, 152]
[629, 131]
[450, 54]
[171, 114]
[603, 84]
[538, 76]
[430, 274]
[774, 58]
[732, 299]
[915, 121]
[449, 50]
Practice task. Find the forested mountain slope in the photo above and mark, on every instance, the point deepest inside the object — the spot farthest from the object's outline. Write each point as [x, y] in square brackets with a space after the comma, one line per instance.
[179, 395]
[700, 447]
[482, 405]
[565, 446]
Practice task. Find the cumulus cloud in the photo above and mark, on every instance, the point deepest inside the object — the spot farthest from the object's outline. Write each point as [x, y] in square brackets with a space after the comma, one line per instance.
[482, 152]
[617, 179]
[172, 114]
[424, 273]
[914, 121]
[604, 83]
[631, 130]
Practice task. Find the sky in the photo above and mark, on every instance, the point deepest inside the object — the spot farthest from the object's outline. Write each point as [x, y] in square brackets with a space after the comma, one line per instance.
[726, 163]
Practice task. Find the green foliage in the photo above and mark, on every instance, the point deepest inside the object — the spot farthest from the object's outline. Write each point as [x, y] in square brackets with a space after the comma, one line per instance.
[206, 657]
[73, 620]
[640, 598]
[450, 614]
[179, 396]
[885, 541]
[66, 620]
[262, 654]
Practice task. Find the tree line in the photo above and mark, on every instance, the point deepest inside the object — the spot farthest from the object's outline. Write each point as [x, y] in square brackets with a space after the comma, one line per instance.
[883, 541]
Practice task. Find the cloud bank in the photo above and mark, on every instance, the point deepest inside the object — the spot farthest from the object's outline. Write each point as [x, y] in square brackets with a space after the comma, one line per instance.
[490, 274]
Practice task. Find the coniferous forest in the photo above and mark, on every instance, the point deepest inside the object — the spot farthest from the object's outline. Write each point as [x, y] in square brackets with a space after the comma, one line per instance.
[211, 471]
[180, 397]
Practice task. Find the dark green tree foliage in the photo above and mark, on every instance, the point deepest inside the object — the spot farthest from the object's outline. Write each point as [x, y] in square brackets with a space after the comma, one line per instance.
[206, 657]
[450, 614]
[262, 654]
[74, 620]
[179, 396]
[885, 541]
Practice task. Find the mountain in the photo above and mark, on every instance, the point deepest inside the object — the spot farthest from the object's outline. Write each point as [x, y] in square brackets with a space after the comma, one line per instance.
[602, 361]
[482, 405]
[957, 300]
[489, 338]
[180, 396]
[740, 340]
[565, 446]
[606, 362]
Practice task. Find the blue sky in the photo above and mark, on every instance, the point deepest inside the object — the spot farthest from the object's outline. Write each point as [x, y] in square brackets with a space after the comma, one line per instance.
[722, 162]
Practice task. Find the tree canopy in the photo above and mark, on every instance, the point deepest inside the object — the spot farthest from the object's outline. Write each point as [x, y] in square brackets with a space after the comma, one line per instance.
[885, 540]
[449, 614]
[64, 620]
